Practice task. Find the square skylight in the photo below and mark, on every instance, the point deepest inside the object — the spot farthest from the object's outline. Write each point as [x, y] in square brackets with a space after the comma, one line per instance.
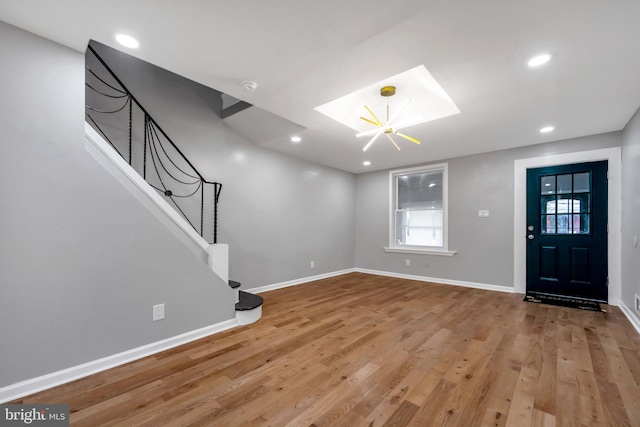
[428, 101]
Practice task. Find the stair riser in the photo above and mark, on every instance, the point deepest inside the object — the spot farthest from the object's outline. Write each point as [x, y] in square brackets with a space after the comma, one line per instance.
[248, 317]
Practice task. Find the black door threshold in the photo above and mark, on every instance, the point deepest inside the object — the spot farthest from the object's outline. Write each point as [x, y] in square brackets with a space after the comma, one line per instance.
[571, 302]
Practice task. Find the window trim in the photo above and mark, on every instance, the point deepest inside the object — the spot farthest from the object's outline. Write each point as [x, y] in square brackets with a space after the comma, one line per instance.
[422, 250]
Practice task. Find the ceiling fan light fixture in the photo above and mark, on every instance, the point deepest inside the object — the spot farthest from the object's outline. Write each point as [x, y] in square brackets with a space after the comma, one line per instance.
[366, 147]
[388, 91]
[387, 128]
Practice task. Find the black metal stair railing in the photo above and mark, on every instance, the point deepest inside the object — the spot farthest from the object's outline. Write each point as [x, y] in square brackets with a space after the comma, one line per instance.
[112, 110]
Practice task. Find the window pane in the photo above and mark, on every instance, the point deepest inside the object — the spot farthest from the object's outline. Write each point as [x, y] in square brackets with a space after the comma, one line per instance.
[420, 191]
[584, 224]
[548, 224]
[567, 204]
[564, 184]
[581, 182]
[419, 208]
[548, 184]
[564, 225]
[420, 227]
[581, 203]
[548, 204]
[425, 237]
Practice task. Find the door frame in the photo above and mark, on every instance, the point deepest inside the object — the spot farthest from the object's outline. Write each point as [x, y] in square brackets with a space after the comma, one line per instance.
[614, 156]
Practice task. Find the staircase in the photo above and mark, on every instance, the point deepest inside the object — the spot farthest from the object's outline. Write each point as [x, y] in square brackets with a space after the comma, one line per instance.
[248, 305]
[133, 154]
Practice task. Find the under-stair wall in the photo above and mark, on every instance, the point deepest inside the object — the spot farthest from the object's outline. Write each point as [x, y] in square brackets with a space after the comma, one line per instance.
[82, 261]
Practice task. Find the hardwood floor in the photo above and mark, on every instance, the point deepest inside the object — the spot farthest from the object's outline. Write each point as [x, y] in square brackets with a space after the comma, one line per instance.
[367, 350]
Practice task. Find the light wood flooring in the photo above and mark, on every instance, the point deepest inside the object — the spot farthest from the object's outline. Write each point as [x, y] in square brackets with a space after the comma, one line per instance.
[365, 350]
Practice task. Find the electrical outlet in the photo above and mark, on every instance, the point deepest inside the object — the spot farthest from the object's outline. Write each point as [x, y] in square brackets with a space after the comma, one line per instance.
[158, 312]
[313, 264]
[407, 261]
[637, 304]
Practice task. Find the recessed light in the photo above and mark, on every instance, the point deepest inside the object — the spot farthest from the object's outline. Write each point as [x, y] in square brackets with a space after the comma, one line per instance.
[296, 139]
[547, 129]
[366, 163]
[433, 184]
[536, 61]
[127, 41]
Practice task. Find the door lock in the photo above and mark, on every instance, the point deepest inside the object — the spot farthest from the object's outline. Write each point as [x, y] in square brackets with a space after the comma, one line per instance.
[530, 237]
[530, 228]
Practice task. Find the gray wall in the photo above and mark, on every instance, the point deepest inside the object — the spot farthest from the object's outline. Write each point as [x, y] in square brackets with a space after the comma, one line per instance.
[631, 211]
[484, 245]
[277, 213]
[81, 260]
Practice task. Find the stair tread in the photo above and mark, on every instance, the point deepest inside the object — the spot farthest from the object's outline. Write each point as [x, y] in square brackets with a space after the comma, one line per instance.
[248, 301]
[234, 284]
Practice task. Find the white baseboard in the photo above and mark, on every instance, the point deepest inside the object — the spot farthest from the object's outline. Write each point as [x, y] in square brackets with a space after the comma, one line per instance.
[34, 385]
[298, 281]
[633, 319]
[382, 273]
[474, 285]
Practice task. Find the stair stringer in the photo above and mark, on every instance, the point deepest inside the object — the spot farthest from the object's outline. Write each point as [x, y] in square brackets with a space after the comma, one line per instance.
[216, 256]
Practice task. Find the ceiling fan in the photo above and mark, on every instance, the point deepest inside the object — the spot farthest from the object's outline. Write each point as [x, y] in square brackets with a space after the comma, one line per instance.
[387, 128]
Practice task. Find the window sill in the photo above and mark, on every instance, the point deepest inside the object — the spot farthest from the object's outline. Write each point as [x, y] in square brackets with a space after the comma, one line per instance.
[420, 251]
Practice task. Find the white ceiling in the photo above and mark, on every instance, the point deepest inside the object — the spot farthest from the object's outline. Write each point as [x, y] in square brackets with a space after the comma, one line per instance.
[305, 53]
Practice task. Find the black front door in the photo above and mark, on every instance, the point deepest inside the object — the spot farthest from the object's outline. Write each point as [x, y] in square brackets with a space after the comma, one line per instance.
[567, 231]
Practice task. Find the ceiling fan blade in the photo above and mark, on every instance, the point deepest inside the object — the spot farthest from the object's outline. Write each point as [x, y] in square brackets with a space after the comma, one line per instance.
[417, 141]
[370, 121]
[398, 112]
[374, 116]
[392, 141]
[371, 140]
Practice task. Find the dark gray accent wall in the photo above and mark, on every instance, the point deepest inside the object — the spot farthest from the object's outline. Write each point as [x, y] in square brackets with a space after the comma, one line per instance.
[484, 245]
[277, 213]
[631, 212]
[82, 262]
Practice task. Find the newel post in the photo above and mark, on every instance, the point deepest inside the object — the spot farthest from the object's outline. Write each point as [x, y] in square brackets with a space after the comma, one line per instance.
[219, 260]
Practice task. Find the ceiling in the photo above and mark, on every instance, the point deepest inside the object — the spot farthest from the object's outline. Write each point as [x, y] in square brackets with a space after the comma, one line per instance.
[303, 54]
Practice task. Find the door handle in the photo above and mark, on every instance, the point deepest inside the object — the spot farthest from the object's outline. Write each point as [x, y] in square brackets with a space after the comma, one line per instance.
[530, 237]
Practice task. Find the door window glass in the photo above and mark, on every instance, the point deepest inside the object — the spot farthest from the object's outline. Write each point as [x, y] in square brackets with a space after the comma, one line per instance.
[565, 203]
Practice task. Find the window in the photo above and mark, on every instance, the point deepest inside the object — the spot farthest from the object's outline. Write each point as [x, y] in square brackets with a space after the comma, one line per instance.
[418, 213]
[565, 201]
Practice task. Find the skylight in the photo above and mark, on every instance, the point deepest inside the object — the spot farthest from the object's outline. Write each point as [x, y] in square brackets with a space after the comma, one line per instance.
[429, 101]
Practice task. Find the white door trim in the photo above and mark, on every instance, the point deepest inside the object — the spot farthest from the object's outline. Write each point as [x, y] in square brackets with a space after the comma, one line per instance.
[520, 166]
